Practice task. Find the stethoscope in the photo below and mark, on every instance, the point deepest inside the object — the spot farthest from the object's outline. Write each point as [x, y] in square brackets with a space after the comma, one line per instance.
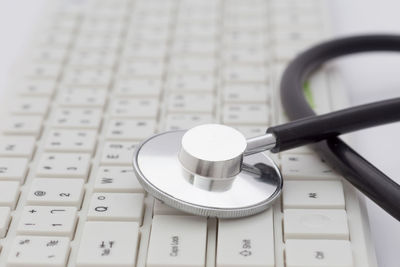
[212, 170]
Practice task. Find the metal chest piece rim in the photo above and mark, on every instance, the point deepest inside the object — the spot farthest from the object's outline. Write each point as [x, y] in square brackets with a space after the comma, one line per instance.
[158, 168]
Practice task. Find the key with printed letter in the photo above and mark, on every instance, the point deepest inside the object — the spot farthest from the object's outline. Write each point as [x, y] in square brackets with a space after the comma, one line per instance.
[177, 241]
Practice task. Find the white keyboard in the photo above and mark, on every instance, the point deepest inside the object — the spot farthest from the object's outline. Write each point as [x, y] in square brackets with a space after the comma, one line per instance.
[101, 75]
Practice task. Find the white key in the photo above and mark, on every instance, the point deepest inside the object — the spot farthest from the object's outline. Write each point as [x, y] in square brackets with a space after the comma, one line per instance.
[42, 88]
[87, 77]
[117, 153]
[301, 253]
[43, 71]
[47, 220]
[71, 141]
[56, 192]
[306, 167]
[142, 68]
[247, 74]
[160, 208]
[61, 165]
[246, 114]
[23, 125]
[138, 87]
[134, 108]
[108, 244]
[183, 102]
[102, 58]
[246, 241]
[85, 118]
[186, 121]
[192, 47]
[249, 130]
[246, 93]
[17, 146]
[97, 42]
[117, 179]
[177, 241]
[315, 223]
[116, 207]
[245, 55]
[130, 129]
[30, 106]
[9, 193]
[5, 217]
[145, 50]
[13, 169]
[53, 55]
[313, 194]
[237, 38]
[192, 64]
[191, 82]
[39, 251]
[82, 97]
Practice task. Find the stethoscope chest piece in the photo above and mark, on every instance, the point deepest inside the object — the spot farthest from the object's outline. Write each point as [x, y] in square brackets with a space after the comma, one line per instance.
[201, 178]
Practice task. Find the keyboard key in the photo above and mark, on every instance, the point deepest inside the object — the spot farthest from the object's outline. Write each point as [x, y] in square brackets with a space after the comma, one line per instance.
[43, 71]
[71, 141]
[108, 244]
[47, 220]
[245, 74]
[117, 153]
[9, 193]
[82, 97]
[14, 169]
[75, 165]
[138, 87]
[116, 207]
[87, 77]
[130, 129]
[192, 82]
[56, 192]
[37, 88]
[301, 253]
[5, 217]
[30, 106]
[160, 208]
[142, 68]
[117, 179]
[134, 108]
[23, 125]
[177, 241]
[315, 224]
[246, 114]
[39, 251]
[306, 167]
[17, 146]
[313, 194]
[183, 102]
[246, 93]
[246, 241]
[250, 131]
[186, 121]
[82, 118]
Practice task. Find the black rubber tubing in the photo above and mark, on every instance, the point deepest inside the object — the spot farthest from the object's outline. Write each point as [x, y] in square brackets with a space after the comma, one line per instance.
[311, 128]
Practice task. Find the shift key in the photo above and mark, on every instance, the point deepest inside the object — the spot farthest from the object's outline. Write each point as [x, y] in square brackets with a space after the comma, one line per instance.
[177, 241]
[246, 241]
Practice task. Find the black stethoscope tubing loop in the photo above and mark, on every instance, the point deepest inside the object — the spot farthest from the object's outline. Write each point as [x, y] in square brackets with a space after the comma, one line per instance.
[357, 170]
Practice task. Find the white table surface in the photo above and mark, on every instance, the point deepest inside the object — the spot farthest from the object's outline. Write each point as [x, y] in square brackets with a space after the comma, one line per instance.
[367, 77]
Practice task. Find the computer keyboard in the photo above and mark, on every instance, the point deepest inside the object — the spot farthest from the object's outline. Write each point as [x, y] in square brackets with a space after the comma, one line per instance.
[102, 75]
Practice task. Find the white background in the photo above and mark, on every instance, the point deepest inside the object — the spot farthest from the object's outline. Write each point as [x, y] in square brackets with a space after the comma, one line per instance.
[367, 78]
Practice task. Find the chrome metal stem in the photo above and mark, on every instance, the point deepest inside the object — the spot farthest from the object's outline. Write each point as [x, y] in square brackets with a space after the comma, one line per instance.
[259, 144]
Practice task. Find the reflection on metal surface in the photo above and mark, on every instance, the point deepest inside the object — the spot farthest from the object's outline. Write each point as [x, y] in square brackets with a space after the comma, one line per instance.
[159, 170]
